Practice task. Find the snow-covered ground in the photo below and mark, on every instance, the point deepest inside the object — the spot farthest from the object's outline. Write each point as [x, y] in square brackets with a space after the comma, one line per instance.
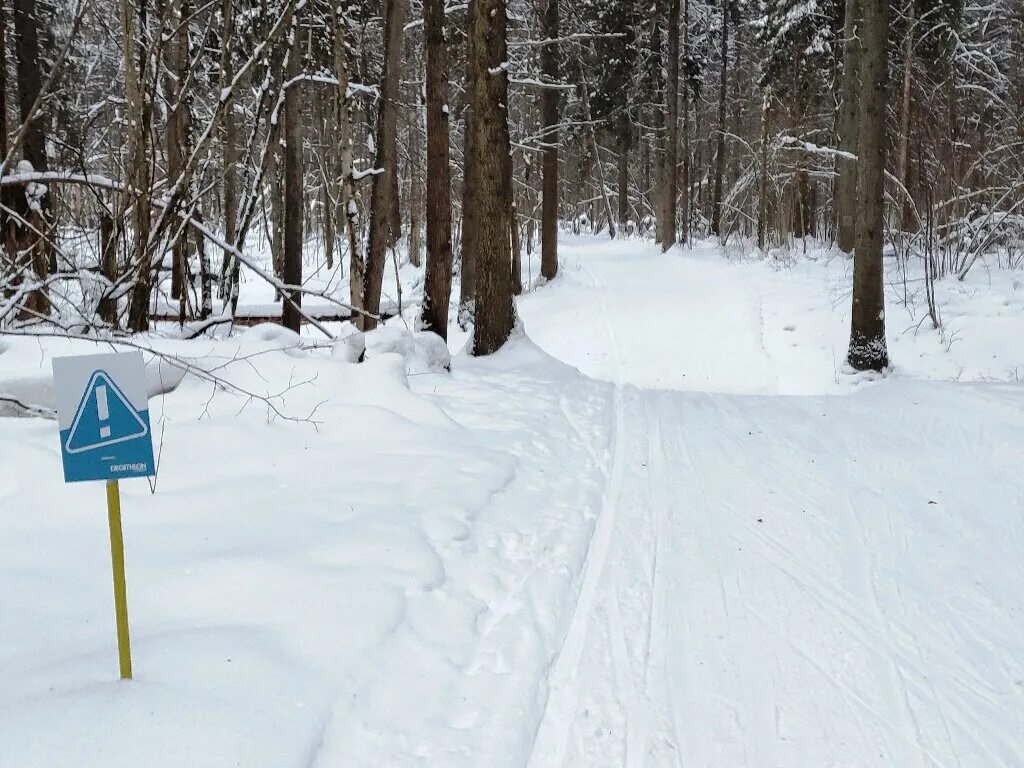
[664, 528]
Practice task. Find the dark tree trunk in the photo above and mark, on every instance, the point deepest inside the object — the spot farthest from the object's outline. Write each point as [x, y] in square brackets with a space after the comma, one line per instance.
[394, 196]
[902, 152]
[762, 172]
[416, 192]
[230, 267]
[494, 309]
[867, 329]
[34, 246]
[176, 69]
[277, 209]
[438, 288]
[686, 123]
[625, 139]
[343, 159]
[139, 112]
[656, 158]
[803, 210]
[845, 193]
[30, 81]
[327, 203]
[108, 267]
[205, 275]
[294, 209]
[716, 207]
[669, 177]
[3, 110]
[384, 184]
[515, 241]
[549, 98]
[469, 173]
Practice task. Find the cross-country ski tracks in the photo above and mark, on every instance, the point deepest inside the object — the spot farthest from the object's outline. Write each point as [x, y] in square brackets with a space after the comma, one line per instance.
[786, 581]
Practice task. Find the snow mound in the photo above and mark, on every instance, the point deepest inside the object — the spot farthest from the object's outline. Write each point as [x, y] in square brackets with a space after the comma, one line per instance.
[349, 345]
[422, 351]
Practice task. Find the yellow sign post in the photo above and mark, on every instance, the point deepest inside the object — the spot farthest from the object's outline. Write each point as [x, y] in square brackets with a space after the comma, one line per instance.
[124, 648]
[103, 420]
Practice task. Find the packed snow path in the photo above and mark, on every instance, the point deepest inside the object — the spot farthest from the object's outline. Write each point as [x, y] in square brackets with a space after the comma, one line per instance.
[707, 547]
[783, 581]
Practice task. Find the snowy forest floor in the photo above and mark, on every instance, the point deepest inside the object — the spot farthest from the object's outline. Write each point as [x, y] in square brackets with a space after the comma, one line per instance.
[664, 528]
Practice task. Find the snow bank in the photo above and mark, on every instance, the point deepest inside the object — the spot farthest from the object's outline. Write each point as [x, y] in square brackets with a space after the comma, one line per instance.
[692, 320]
[335, 567]
[423, 351]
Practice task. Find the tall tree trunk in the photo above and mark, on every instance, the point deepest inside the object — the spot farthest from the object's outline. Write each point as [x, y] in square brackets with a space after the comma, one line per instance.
[438, 287]
[686, 122]
[867, 329]
[624, 140]
[330, 194]
[469, 176]
[495, 311]
[230, 267]
[656, 148]
[384, 184]
[762, 175]
[802, 224]
[294, 208]
[515, 242]
[3, 89]
[845, 193]
[596, 150]
[107, 308]
[415, 193]
[549, 102]
[343, 158]
[34, 248]
[669, 176]
[205, 275]
[176, 64]
[4, 198]
[30, 81]
[277, 209]
[904, 136]
[138, 173]
[716, 206]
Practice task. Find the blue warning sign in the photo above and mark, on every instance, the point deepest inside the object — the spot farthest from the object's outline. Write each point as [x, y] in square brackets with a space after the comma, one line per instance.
[108, 435]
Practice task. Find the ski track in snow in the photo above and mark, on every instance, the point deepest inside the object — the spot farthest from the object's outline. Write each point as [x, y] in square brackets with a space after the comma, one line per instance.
[710, 550]
[705, 672]
[552, 734]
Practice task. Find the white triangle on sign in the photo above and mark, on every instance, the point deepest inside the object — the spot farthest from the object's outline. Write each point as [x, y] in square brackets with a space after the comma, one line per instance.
[115, 421]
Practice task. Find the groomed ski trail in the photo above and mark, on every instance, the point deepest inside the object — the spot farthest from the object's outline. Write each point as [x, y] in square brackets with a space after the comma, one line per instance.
[750, 597]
